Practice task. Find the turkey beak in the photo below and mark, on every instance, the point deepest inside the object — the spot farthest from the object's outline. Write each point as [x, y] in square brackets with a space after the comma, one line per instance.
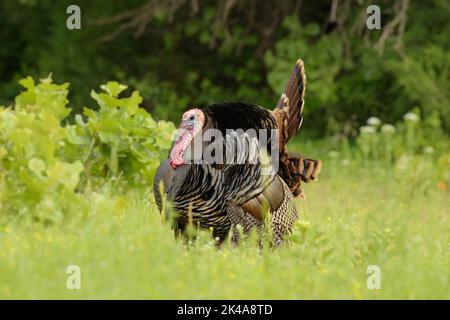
[188, 124]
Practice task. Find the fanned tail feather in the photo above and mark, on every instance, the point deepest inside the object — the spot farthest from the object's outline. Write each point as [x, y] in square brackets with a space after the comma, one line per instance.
[288, 115]
[292, 101]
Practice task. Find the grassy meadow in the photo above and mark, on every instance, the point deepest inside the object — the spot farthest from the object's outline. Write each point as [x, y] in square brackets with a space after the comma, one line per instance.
[356, 215]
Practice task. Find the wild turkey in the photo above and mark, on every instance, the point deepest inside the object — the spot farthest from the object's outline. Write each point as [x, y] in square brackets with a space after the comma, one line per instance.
[220, 196]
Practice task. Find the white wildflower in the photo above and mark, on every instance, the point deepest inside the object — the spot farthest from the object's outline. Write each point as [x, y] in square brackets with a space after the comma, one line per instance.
[367, 129]
[411, 117]
[387, 128]
[374, 121]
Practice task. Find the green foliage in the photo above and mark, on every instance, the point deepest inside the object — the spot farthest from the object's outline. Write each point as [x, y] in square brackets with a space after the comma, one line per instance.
[44, 164]
[410, 137]
[216, 51]
[415, 144]
[322, 60]
[424, 79]
[349, 80]
[123, 137]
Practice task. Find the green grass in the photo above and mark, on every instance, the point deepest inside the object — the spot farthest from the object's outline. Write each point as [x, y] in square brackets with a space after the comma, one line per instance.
[355, 217]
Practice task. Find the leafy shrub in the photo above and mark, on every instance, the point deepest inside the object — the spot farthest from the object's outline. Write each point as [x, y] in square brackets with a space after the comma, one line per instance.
[45, 162]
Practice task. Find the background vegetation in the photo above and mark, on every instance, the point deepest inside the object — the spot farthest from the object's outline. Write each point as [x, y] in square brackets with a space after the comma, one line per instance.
[76, 165]
[190, 52]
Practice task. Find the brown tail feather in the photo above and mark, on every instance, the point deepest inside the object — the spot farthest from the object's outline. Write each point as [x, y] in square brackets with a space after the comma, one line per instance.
[293, 106]
[288, 115]
[296, 169]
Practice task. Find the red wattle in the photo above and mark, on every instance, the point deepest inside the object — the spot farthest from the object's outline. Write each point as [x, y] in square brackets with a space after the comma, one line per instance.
[176, 155]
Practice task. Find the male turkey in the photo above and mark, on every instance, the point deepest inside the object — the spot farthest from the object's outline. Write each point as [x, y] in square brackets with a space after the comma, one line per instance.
[221, 195]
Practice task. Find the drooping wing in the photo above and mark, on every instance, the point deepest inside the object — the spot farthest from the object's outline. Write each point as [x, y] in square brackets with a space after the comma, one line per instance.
[162, 182]
[276, 199]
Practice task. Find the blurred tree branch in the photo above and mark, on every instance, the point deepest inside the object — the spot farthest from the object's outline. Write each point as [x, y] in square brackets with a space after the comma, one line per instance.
[398, 22]
[260, 18]
[138, 19]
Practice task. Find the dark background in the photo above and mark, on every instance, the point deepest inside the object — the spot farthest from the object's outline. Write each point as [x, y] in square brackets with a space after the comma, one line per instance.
[188, 53]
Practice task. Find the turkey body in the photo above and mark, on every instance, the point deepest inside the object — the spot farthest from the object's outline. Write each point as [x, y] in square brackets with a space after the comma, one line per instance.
[238, 191]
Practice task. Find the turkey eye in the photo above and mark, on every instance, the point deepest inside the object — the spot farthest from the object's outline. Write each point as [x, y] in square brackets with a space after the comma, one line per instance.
[191, 118]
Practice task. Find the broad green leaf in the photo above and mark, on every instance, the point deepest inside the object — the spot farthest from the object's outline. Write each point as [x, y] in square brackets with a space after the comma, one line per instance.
[113, 88]
[36, 166]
